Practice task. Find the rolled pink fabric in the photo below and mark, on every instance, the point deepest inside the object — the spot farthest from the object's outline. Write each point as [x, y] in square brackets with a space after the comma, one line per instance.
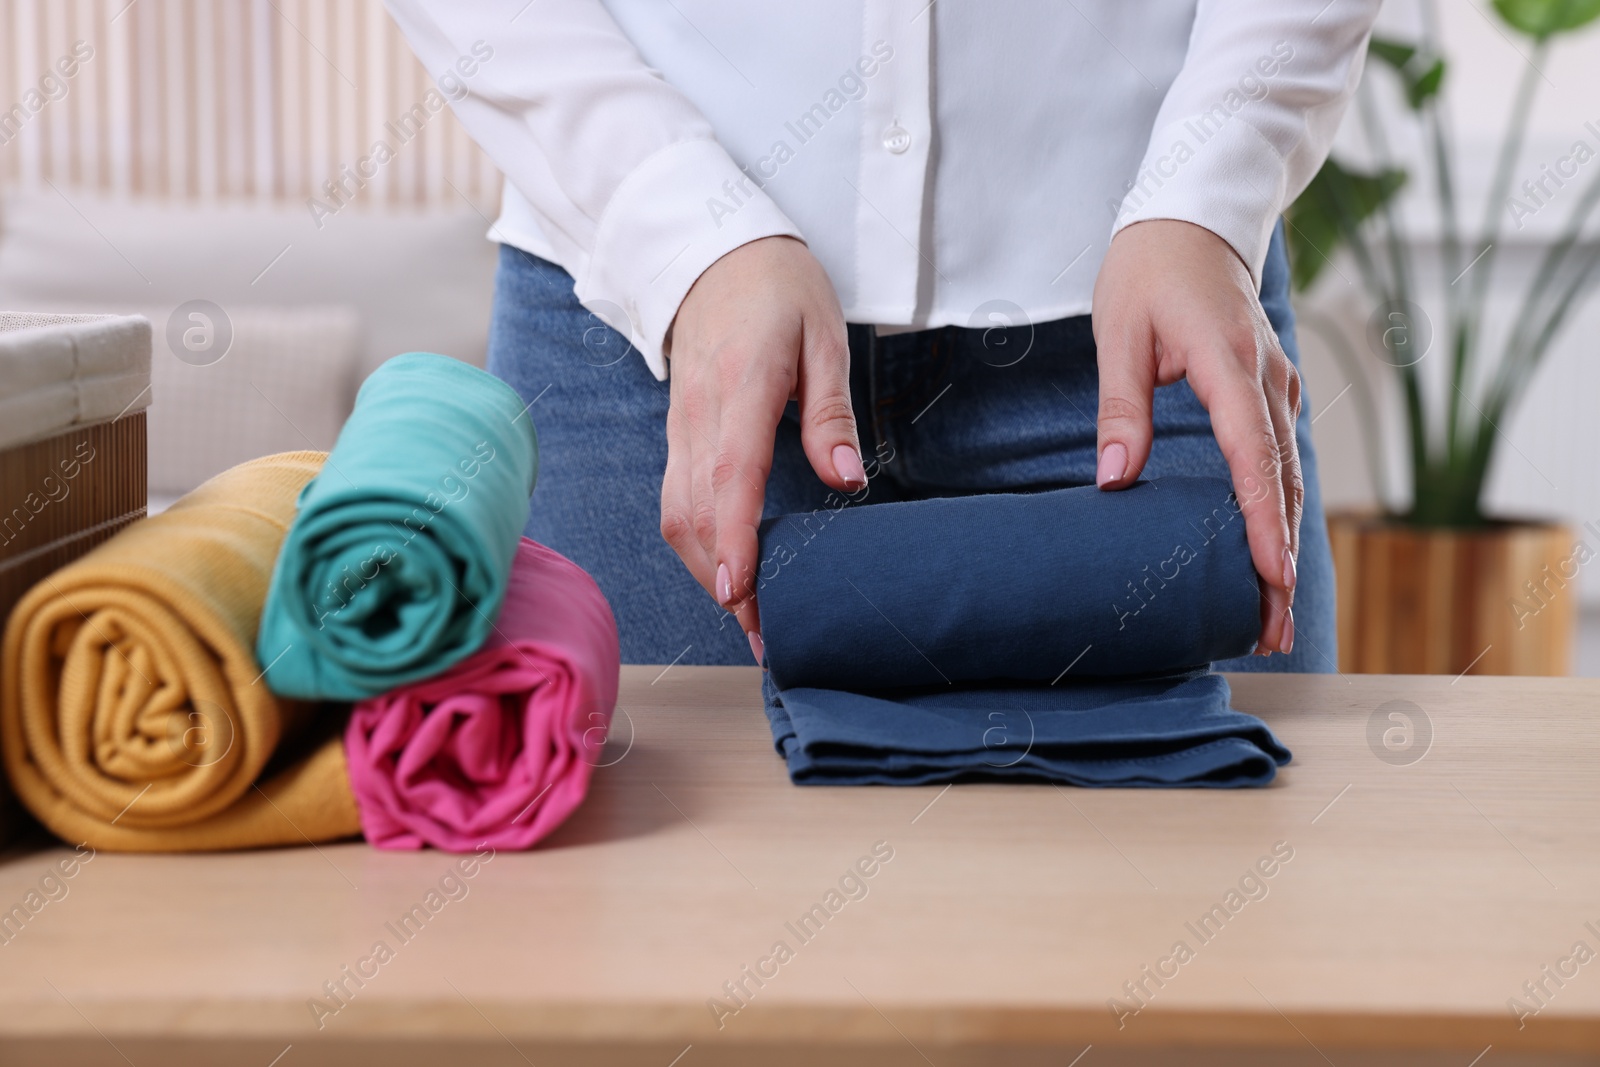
[498, 749]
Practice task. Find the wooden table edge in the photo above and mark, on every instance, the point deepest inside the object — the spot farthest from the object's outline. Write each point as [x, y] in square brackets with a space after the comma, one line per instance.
[859, 1024]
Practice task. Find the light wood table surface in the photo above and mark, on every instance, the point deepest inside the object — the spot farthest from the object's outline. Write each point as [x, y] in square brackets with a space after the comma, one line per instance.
[1421, 895]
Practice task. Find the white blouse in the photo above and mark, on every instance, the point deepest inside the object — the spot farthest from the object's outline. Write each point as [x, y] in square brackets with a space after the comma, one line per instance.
[948, 162]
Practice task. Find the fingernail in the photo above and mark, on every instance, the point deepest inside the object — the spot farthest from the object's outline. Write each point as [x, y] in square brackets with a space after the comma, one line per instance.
[847, 461]
[757, 648]
[724, 584]
[1113, 464]
[1287, 640]
[1288, 570]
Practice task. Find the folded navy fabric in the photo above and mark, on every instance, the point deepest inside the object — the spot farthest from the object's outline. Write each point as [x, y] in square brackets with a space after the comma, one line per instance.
[1063, 636]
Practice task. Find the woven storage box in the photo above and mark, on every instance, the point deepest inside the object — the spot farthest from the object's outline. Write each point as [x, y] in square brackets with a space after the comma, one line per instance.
[73, 393]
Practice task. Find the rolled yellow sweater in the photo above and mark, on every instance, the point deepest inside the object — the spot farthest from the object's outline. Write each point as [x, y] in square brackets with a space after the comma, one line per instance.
[133, 715]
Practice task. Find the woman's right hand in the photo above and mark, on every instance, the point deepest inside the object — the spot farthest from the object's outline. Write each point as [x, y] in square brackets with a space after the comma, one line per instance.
[762, 325]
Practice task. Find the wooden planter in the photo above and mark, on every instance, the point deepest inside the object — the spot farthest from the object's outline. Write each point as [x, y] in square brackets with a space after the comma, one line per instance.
[1498, 600]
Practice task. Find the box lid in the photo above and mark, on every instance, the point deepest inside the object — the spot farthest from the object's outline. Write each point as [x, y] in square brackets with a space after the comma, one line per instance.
[62, 371]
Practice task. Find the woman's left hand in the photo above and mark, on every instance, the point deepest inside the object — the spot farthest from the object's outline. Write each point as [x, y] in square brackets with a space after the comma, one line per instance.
[1172, 301]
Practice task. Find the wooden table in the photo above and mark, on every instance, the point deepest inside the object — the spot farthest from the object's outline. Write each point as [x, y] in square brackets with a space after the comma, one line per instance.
[1420, 895]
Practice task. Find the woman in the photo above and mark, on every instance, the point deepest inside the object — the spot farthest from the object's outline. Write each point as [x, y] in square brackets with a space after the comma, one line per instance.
[891, 250]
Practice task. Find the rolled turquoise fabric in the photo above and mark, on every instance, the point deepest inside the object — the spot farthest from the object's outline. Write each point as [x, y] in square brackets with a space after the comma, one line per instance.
[397, 561]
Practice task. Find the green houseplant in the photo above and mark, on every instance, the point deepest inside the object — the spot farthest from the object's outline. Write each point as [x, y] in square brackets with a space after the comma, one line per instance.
[1498, 575]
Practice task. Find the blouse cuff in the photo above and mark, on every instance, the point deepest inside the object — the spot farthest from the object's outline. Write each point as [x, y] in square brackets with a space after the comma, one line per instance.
[1229, 180]
[679, 211]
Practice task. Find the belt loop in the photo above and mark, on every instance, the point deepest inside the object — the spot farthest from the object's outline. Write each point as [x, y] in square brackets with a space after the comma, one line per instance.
[879, 432]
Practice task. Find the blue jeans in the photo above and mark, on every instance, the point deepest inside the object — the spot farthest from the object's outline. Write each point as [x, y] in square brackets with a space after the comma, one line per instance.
[944, 412]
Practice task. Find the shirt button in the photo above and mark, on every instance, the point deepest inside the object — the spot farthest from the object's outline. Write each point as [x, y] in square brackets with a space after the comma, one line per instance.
[896, 139]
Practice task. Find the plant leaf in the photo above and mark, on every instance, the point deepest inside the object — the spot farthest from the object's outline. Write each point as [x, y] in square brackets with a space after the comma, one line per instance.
[1541, 19]
[1421, 73]
[1395, 53]
[1426, 85]
[1336, 202]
